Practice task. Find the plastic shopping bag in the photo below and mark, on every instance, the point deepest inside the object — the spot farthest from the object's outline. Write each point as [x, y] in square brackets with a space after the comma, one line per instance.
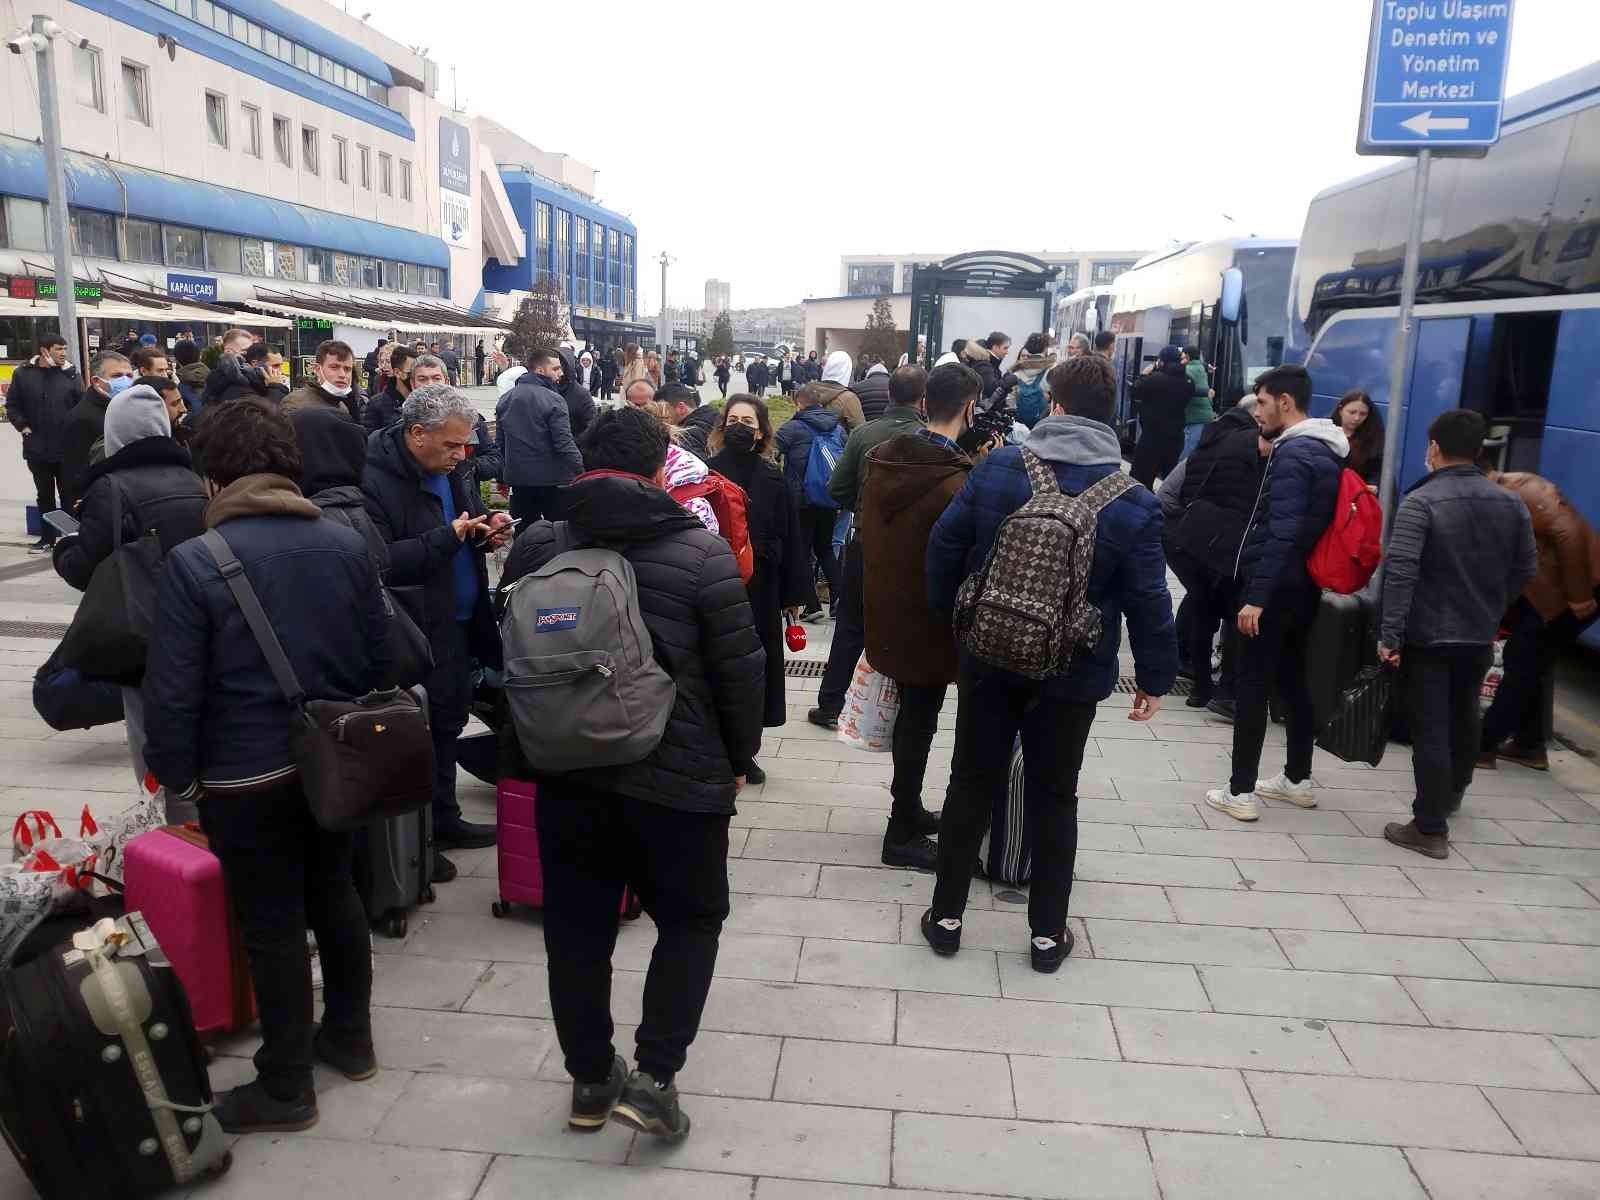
[1490, 686]
[30, 829]
[147, 812]
[870, 707]
[26, 901]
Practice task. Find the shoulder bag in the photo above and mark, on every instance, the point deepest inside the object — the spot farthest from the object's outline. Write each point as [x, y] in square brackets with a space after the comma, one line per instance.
[110, 633]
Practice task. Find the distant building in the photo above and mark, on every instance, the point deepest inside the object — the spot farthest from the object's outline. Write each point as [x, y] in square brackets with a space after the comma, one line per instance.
[887, 274]
[719, 297]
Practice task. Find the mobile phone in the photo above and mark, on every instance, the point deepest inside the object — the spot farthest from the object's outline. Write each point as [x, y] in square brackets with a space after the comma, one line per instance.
[61, 521]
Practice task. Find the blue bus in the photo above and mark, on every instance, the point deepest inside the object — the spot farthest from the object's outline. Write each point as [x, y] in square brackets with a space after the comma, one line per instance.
[1508, 295]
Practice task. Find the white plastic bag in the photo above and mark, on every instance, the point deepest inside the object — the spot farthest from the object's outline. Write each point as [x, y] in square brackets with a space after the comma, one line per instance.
[871, 705]
[27, 898]
[147, 812]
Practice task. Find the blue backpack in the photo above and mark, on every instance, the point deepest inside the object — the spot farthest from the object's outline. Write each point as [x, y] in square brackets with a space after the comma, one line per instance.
[826, 450]
[1031, 401]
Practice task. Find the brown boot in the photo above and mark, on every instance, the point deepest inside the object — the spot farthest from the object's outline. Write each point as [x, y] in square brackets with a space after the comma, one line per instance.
[1535, 760]
[1434, 845]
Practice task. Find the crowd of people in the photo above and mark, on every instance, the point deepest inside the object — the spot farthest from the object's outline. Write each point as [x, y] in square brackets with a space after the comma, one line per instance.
[937, 508]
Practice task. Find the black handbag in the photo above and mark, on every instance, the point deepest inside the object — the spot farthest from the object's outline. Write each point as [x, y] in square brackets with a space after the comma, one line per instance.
[360, 760]
[110, 633]
[1358, 731]
[410, 655]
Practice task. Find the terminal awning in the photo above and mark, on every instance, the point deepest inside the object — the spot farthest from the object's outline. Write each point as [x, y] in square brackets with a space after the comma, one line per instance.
[128, 310]
[373, 313]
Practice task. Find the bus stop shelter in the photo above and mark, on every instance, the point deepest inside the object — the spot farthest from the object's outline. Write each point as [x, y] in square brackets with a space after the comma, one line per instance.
[968, 295]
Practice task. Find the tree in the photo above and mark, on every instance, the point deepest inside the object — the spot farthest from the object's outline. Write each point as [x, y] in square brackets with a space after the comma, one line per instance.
[721, 336]
[880, 339]
[540, 323]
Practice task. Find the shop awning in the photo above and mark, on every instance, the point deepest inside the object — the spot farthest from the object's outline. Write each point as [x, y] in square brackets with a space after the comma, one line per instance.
[127, 310]
[375, 313]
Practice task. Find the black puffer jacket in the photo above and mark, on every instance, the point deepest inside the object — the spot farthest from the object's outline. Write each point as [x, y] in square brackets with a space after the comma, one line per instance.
[39, 400]
[84, 426]
[1162, 397]
[234, 379]
[160, 491]
[873, 392]
[575, 391]
[1298, 494]
[383, 409]
[695, 431]
[703, 632]
[333, 458]
[1220, 484]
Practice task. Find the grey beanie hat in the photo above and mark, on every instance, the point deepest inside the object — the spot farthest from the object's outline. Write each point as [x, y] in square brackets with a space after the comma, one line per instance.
[136, 413]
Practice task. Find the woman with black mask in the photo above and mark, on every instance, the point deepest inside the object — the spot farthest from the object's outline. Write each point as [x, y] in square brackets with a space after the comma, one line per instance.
[741, 449]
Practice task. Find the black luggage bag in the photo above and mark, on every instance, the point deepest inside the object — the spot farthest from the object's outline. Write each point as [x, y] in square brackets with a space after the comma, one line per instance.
[394, 868]
[1340, 643]
[103, 1086]
[1358, 731]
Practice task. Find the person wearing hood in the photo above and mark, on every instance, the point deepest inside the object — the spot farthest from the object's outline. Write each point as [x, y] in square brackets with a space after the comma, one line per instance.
[659, 825]
[693, 420]
[837, 395]
[1199, 412]
[86, 423]
[332, 382]
[394, 368]
[1028, 377]
[192, 373]
[589, 375]
[43, 391]
[533, 427]
[911, 479]
[228, 378]
[1053, 715]
[217, 734]
[689, 371]
[985, 356]
[873, 391]
[1162, 395]
[1294, 504]
[333, 459]
[793, 441]
[575, 390]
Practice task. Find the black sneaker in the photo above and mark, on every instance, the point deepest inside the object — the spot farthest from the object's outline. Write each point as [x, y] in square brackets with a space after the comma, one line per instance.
[463, 835]
[814, 616]
[754, 775]
[825, 719]
[252, 1109]
[40, 547]
[443, 869]
[928, 822]
[650, 1108]
[1223, 706]
[1185, 671]
[1048, 953]
[915, 852]
[1197, 699]
[941, 936]
[353, 1061]
[592, 1102]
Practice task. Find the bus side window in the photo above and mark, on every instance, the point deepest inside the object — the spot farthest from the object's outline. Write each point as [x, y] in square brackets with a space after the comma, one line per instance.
[1512, 388]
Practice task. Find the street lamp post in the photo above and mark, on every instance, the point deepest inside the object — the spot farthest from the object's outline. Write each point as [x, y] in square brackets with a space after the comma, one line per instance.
[664, 332]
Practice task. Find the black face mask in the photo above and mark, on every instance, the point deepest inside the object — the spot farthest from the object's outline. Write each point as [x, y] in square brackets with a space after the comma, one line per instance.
[741, 439]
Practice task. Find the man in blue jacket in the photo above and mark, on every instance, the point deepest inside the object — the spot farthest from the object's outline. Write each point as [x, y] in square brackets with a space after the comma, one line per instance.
[533, 427]
[1293, 506]
[1053, 715]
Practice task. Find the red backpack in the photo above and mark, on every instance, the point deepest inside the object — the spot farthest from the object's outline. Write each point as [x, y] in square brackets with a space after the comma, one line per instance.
[728, 502]
[1347, 553]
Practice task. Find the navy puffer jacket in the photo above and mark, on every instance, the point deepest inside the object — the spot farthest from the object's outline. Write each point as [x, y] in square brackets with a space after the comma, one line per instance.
[1294, 504]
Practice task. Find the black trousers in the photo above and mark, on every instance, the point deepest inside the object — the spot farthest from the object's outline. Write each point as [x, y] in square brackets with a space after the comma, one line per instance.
[849, 632]
[449, 704]
[914, 728]
[536, 503]
[1156, 454]
[286, 874]
[1208, 601]
[591, 845]
[1276, 655]
[816, 527]
[48, 484]
[993, 708]
[1442, 684]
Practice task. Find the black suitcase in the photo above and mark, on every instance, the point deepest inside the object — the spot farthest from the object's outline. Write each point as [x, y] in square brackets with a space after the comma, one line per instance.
[394, 868]
[1359, 728]
[1340, 643]
[1006, 853]
[103, 1086]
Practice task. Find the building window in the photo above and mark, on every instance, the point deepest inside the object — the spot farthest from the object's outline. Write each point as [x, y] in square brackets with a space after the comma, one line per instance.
[309, 156]
[94, 235]
[385, 173]
[1106, 272]
[222, 253]
[627, 273]
[203, 12]
[563, 247]
[580, 248]
[291, 264]
[405, 180]
[319, 265]
[253, 255]
[343, 267]
[341, 159]
[412, 278]
[433, 281]
[25, 224]
[141, 241]
[283, 140]
[541, 237]
[217, 119]
[870, 279]
[185, 247]
[614, 255]
[252, 130]
[365, 155]
[136, 92]
[86, 78]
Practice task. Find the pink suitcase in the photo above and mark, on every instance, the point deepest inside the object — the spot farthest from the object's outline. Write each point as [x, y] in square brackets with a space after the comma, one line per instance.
[521, 876]
[171, 876]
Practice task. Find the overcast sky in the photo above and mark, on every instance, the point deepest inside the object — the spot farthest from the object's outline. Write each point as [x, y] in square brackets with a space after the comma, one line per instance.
[759, 142]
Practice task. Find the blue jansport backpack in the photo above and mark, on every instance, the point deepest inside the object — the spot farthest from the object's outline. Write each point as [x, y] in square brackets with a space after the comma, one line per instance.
[1031, 401]
[826, 450]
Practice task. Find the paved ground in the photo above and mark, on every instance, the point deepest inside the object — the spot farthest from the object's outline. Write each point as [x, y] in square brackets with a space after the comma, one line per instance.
[1290, 1009]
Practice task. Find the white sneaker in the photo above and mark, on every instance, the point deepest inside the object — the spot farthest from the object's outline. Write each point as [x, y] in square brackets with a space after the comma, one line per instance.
[1281, 787]
[1241, 807]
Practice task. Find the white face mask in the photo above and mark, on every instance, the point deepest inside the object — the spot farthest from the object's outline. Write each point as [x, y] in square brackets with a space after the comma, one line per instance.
[341, 392]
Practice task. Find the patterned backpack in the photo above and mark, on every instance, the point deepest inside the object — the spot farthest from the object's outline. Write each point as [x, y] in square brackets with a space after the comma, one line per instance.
[1027, 608]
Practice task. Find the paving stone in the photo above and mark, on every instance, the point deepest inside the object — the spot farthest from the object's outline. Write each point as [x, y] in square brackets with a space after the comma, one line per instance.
[766, 1137]
[1512, 1007]
[1152, 791]
[1502, 888]
[1364, 799]
[719, 1064]
[1328, 878]
[1120, 901]
[1536, 860]
[1103, 981]
[852, 920]
[347, 1110]
[1371, 850]
[759, 815]
[1184, 871]
[313, 1168]
[1288, 818]
[1021, 1158]
[1556, 1124]
[552, 1179]
[792, 770]
[1495, 1177]
[739, 956]
[737, 840]
[855, 772]
[887, 883]
[837, 848]
[1261, 910]
[864, 822]
[1462, 829]
[474, 937]
[523, 990]
[1221, 843]
[1533, 962]
[769, 877]
[495, 1116]
[795, 1189]
[853, 1014]
[1015, 1026]
[1576, 926]
[1198, 1166]
[1516, 1060]
[406, 981]
[1383, 1112]
[1103, 835]
[1173, 816]
[1583, 1053]
[982, 929]
[908, 968]
[1446, 918]
[460, 1043]
[1320, 995]
[825, 794]
[1380, 953]
[1206, 1039]
[909, 1078]
[1125, 1093]
[1580, 810]
[1169, 942]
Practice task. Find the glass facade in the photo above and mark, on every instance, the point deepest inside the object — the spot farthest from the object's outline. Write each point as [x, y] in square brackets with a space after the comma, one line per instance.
[1107, 272]
[870, 279]
[563, 254]
[541, 241]
[581, 266]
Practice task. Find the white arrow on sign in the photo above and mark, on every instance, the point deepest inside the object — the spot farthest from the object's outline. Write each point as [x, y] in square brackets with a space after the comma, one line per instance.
[1425, 123]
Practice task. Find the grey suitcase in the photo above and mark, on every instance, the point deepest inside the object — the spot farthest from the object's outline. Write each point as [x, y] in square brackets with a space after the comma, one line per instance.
[394, 868]
[1006, 853]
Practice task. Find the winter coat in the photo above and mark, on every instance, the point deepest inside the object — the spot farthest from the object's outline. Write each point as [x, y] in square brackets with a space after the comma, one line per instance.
[160, 491]
[1294, 503]
[484, 459]
[1221, 480]
[234, 379]
[383, 410]
[911, 480]
[533, 428]
[311, 395]
[842, 400]
[1199, 409]
[813, 369]
[689, 373]
[192, 383]
[1129, 575]
[872, 392]
[1569, 547]
[1031, 368]
[333, 458]
[756, 376]
[574, 390]
[1460, 550]
[633, 371]
[845, 486]
[85, 425]
[696, 429]
[701, 630]
[214, 714]
[1163, 398]
[39, 400]
[794, 444]
[724, 373]
[980, 360]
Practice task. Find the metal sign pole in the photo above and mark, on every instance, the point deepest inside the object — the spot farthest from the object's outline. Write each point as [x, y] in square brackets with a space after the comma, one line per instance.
[56, 179]
[1402, 343]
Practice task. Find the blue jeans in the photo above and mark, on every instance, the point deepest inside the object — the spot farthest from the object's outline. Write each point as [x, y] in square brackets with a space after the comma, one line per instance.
[1191, 437]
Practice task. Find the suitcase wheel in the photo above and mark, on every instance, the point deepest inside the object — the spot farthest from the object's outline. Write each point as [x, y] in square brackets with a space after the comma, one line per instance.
[429, 895]
[221, 1167]
[394, 925]
[500, 908]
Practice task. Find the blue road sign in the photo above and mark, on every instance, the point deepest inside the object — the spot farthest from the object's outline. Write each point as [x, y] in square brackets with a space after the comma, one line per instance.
[1436, 75]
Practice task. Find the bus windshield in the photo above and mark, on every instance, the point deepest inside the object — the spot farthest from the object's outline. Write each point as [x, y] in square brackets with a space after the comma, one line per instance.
[1266, 296]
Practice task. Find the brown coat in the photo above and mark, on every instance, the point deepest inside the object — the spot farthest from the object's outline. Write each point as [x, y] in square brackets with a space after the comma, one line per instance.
[1569, 548]
[910, 480]
[845, 403]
